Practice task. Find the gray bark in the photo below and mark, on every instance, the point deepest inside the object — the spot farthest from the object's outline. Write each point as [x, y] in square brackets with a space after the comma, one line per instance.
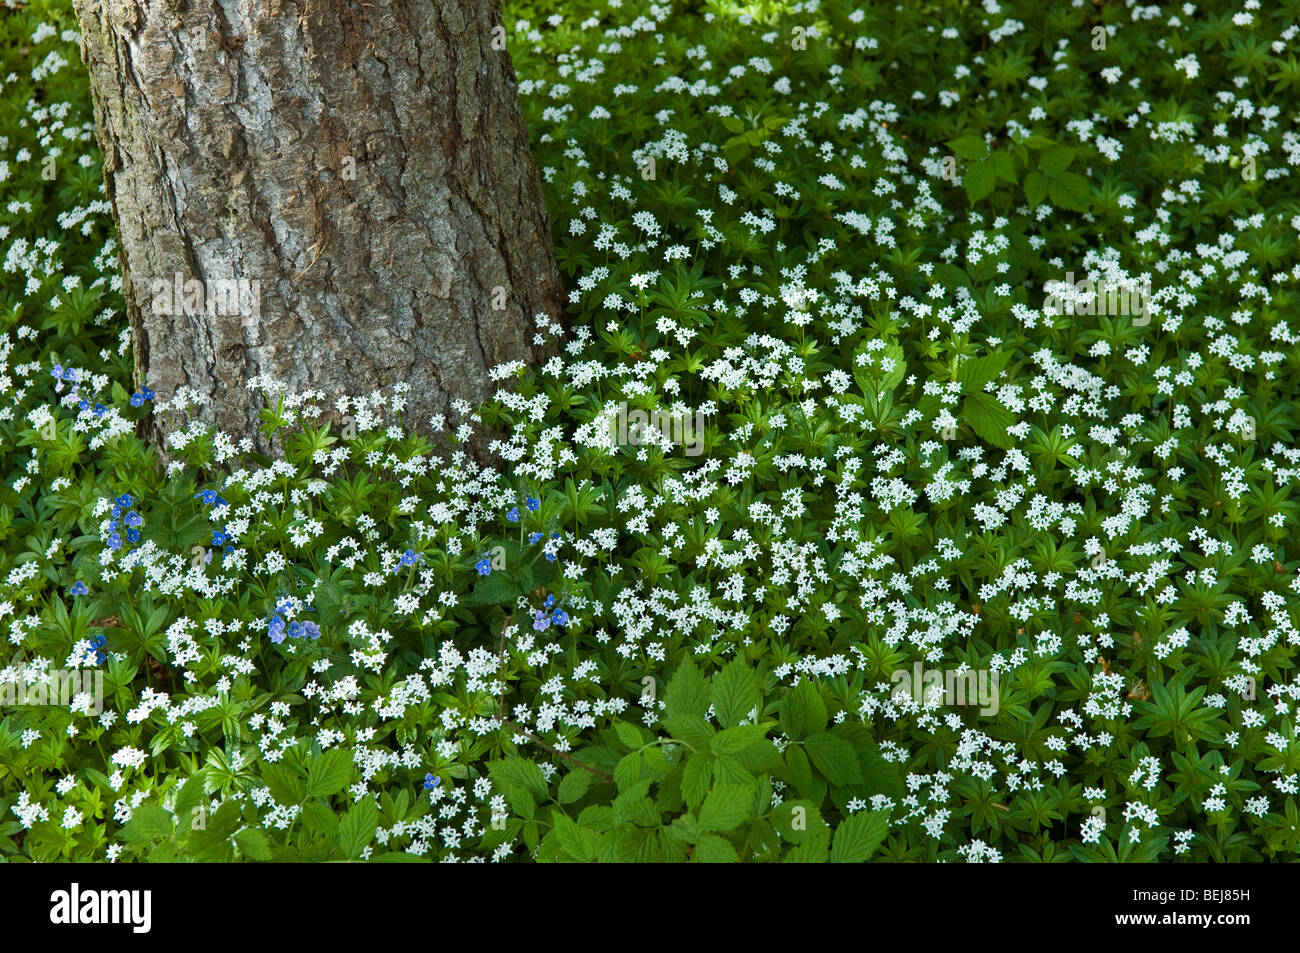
[364, 163]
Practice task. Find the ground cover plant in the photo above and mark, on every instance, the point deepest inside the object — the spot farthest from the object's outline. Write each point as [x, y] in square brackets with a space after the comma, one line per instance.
[913, 481]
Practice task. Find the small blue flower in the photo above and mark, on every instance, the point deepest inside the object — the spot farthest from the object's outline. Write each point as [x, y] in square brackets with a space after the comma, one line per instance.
[137, 399]
[410, 558]
[550, 557]
[220, 537]
[541, 621]
[310, 630]
[56, 371]
[532, 503]
[209, 497]
[275, 629]
[550, 601]
[534, 537]
[99, 410]
[115, 542]
[560, 617]
[133, 519]
[484, 566]
[126, 501]
[513, 515]
[431, 782]
[148, 394]
[78, 588]
[133, 536]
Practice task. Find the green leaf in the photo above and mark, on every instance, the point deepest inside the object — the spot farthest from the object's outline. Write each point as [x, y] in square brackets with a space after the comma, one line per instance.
[574, 785]
[1055, 161]
[980, 180]
[252, 843]
[1070, 190]
[572, 837]
[692, 729]
[357, 828]
[712, 849]
[1035, 189]
[519, 771]
[735, 693]
[969, 147]
[834, 757]
[493, 590]
[726, 807]
[732, 740]
[858, 836]
[975, 372]
[284, 783]
[802, 711]
[687, 692]
[1004, 166]
[695, 780]
[147, 822]
[629, 734]
[330, 773]
[989, 419]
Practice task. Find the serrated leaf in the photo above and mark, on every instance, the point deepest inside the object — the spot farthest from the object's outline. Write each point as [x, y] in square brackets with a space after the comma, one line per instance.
[969, 147]
[147, 822]
[330, 773]
[735, 693]
[834, 757]
[519, 771]
[858, 836]
[802, 711]
[358, 827]
[712, 849]
[696, 776]
[252, 843]
[980, 180]
[692, 729]
[734, 740]
[989, 419]
[687, 692]
[726, 806]
[1035, 189]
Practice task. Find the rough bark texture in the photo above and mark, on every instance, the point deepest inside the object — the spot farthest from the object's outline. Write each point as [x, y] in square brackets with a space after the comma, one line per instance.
[366, 163]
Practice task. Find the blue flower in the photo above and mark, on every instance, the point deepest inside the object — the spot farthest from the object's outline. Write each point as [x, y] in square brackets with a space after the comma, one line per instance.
[532, 503]
[410, 558]
[560, 617]
[550, 557]
[513, 515]
[534, 537]
[133, 519]
[541, 621]
[550, 601]
[431, 782]
[484, 566]
[78, 588]
[56, 371]
[137, 399]
[310, 630]
[219, 537]
[99, 410]
[148, 394]
[275, 629]
[133, 536]
[209, 497]
[115, 542]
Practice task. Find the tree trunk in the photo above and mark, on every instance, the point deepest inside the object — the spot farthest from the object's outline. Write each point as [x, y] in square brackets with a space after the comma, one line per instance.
[335, 194]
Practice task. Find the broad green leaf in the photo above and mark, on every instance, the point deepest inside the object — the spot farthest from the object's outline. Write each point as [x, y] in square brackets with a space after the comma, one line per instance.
[330, 773]
[980, 180]
[969, 147]
[687, 692]
[834, 757]
[802, 711]
[989, 419]
[358, 827]
[712, 849]
[252, 843]
[521, 772]
[574, 785]
[726, 806]
[858, 836]
[735, 693]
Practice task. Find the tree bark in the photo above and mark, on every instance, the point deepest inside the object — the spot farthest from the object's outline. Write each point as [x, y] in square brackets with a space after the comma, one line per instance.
[357, 169]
